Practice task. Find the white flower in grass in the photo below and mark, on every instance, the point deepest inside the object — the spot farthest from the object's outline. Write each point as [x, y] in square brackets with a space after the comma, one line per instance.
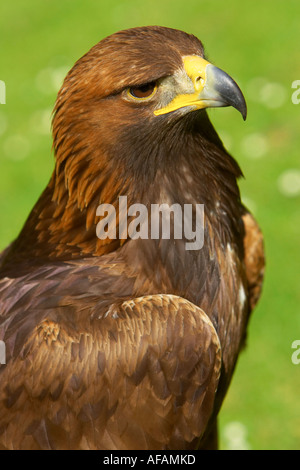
[235, 436]
[289, 183]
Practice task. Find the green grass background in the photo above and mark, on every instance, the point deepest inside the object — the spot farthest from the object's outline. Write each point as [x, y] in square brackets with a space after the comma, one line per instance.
[256, 42]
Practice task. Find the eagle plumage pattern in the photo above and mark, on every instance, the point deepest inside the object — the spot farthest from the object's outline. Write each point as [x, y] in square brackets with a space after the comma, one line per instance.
[120, 343]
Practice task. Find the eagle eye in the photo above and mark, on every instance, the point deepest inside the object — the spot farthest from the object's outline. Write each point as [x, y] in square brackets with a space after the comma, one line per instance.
[143, 91]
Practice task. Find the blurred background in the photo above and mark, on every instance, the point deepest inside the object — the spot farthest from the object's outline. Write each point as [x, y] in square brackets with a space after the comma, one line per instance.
[257, 43]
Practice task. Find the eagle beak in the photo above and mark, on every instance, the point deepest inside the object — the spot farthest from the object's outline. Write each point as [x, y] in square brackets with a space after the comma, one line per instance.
[205, 86]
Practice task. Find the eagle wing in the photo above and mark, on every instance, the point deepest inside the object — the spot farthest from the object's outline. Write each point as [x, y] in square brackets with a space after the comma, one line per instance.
[254, 258]
[142, 375]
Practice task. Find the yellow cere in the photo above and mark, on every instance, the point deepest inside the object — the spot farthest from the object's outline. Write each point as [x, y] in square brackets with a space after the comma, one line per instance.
[195, 69]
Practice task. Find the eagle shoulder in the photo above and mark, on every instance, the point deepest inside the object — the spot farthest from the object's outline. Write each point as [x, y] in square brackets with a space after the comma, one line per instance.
[143, 374]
